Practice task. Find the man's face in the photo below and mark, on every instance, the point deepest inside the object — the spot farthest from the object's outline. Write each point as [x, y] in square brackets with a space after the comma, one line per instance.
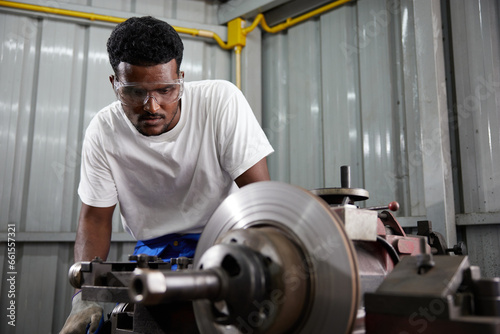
[152, 115]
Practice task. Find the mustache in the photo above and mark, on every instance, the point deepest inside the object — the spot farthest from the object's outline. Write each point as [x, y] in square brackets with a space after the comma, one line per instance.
[150, 116]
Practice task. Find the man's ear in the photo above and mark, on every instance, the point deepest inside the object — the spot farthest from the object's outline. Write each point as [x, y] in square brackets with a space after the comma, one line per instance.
[112, 80]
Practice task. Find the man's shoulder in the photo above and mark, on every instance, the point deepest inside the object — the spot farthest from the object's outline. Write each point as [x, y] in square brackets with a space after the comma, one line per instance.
[212, 85]
[106, 117]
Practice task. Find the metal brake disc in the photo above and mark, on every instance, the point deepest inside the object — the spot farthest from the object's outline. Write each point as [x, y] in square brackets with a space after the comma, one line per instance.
[329, 257]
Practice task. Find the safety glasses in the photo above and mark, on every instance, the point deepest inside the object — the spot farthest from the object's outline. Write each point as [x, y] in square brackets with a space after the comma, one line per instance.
[137, 94]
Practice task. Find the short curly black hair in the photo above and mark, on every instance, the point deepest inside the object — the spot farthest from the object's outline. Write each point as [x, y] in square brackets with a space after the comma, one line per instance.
[144, 41]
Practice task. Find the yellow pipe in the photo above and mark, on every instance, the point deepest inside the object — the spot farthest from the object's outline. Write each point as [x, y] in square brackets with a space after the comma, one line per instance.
[282, 26]
[237, 52]
[291, 21]
[106, 18]
[65, 12]
[221, 42]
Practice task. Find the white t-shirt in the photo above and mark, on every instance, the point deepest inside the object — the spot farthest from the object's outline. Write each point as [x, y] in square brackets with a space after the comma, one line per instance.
[172, 183]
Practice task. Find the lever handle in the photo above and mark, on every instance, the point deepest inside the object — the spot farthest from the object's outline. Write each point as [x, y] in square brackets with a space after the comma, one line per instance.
[393, 206]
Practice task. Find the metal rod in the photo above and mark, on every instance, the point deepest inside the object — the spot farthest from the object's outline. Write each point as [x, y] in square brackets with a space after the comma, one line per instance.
[345, 177]
[155, 287]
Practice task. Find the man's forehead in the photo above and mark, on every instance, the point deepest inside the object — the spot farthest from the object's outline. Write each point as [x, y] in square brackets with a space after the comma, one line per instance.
[152, 73]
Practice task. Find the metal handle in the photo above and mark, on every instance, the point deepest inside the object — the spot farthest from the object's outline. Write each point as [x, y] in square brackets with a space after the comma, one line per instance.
[151, 287]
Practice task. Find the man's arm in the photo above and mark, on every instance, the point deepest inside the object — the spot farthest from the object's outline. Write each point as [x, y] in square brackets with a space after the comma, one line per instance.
[93, 238]
[93, 235]
[257, 172]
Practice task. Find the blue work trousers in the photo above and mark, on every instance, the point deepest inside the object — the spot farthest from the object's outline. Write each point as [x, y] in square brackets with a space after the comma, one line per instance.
[169, 246]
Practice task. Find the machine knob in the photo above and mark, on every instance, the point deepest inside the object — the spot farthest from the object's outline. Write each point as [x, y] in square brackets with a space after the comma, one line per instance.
[458, 249]
[393, 206]
[75, 275]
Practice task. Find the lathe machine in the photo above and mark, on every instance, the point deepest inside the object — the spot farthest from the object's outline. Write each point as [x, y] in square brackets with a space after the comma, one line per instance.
[275, 258]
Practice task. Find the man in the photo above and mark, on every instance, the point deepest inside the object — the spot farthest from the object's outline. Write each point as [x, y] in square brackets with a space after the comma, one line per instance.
[167, 151]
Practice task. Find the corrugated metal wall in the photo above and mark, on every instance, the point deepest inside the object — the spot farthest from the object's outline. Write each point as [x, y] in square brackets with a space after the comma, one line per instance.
[475, 30]
[54, 78]
[376, 85]
[340, 101]
[364, 85]
[344, 90]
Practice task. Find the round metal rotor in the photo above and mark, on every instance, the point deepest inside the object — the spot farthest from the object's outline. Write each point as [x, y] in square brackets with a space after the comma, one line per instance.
[329, 262]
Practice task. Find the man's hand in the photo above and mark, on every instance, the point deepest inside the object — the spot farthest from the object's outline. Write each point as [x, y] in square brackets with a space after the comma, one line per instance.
[83, 313]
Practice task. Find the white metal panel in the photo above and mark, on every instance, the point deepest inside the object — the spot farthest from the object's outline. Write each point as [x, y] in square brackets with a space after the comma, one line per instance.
[200, 61]
[160, 8]
[477, 69]
[340, 91]
[409, 165]
[232, 9]
[483, 250]
[38, 261]
[124, 5]
[18, 38]
[476, 56]
[98, 90]
[198, 11]
[305, 115]
[79, 2]
[57, 112]
[251, 73]
[195, 10]
[276, 116]
[18, 49]
[435, 146]
[98, 93]
[377, 100]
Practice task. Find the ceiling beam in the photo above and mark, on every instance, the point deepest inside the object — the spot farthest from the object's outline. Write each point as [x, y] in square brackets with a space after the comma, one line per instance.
[245, 9]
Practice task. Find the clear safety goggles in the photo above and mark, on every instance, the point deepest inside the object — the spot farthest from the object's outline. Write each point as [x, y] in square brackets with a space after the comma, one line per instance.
[137, 94]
